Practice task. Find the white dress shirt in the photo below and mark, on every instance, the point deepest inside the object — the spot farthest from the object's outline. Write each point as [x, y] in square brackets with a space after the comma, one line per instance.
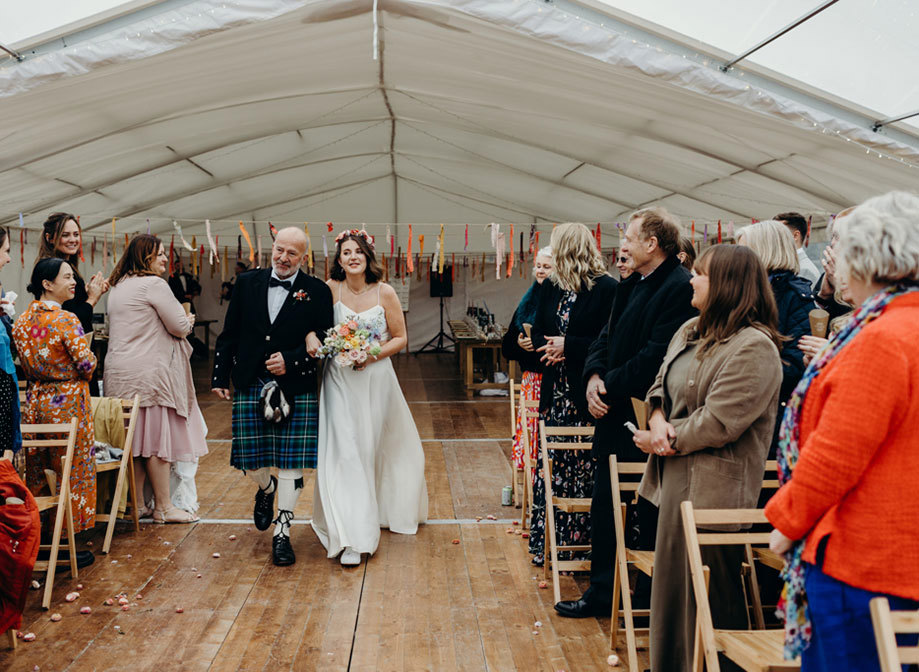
[278, 295]
[808, 268]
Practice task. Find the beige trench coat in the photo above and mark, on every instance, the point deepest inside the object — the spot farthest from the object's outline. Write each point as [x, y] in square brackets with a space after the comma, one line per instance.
[732, 398]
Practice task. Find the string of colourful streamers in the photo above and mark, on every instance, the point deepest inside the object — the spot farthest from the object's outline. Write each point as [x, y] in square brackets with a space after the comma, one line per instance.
[510, 256]
[178, 229]
[440, 245]
[212, 244]
[409, 264]
[245, 233]
[309, 246]
[719, 230]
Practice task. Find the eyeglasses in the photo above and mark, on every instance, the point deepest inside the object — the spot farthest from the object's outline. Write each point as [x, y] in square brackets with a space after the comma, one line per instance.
[623, 260]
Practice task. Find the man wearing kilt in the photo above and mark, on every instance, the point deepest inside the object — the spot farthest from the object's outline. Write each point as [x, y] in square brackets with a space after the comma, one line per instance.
[273, 325]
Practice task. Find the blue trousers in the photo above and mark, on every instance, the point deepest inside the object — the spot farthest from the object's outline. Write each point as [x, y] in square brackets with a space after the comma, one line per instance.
[843, 637]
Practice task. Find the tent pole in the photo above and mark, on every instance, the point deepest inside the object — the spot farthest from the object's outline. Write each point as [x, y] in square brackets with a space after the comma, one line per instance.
[777, 35]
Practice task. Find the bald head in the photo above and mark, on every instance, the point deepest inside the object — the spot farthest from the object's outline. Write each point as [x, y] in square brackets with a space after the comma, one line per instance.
[288, 251]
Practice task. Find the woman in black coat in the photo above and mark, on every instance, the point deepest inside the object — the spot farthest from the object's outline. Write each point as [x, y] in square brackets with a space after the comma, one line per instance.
[572, 311]
[772, 243]
[518, 346]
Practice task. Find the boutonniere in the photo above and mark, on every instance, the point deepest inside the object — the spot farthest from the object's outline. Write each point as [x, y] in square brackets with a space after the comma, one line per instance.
[301, 295]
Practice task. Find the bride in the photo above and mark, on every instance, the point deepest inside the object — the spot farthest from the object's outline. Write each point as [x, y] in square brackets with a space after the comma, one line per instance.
[370, 470]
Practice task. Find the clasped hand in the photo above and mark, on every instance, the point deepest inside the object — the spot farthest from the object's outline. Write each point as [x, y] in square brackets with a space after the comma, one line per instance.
[554, 350]
[275, 364]
[658, 440]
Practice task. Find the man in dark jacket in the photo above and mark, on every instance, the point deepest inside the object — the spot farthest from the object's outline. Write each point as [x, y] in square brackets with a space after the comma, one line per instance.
[622, 363]
[273, 322]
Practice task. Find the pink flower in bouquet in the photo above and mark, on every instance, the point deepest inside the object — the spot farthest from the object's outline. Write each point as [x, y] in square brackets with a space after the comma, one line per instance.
[343, 330]
[356, 355]
[342, 359]
[352, 325]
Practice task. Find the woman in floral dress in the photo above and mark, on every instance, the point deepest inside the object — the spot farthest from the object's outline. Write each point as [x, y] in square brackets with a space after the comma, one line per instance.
[57, 360]
[572, 312]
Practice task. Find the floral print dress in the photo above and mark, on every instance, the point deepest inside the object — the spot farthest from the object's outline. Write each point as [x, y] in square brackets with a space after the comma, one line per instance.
[572, 470]
[58, 362]
[530, 383]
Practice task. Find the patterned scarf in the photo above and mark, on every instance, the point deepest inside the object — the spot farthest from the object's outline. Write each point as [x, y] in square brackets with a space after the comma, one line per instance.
[793, 602]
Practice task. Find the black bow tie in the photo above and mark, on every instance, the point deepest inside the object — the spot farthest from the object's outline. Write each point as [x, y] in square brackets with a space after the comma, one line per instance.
[286, 284]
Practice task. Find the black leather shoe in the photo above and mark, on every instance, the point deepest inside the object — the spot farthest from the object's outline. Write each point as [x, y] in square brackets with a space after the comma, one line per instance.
[84, 558]
[263, 513]
[282, 554]
[582, 609]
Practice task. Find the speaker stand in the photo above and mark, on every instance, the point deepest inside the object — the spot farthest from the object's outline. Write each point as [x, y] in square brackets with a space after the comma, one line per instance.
[436, 344]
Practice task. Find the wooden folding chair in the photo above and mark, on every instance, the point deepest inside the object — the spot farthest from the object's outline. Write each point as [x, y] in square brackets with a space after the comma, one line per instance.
[887, 625]
[513, 393]
[125, 467]
[55, 436]
[529, 410]
[761, 554]
[643, 561]
[567, 505]
[752, 650]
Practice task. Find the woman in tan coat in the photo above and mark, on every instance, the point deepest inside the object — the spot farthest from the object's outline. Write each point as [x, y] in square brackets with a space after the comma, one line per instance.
[149, 355]
[714, 404]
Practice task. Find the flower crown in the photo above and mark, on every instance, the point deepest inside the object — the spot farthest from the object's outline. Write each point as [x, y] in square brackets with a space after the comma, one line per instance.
[355, 232]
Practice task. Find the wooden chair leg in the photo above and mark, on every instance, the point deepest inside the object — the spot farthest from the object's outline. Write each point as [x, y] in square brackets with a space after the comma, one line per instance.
[11, 638]
[133, 496]
[123, 474]
[614, 616]
[62, 512]
[755, 598]
[698, 660]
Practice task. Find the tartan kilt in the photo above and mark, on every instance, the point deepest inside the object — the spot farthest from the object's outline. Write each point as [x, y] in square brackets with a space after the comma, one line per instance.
[293, 444]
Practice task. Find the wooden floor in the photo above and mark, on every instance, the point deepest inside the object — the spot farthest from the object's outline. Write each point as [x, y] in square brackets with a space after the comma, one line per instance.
[421, 603]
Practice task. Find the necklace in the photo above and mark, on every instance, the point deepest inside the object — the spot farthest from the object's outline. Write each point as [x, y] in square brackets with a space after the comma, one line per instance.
[363, 291]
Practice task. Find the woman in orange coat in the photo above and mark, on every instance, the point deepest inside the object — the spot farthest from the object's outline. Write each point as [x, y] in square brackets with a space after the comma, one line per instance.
[59, 363]
[846, 514]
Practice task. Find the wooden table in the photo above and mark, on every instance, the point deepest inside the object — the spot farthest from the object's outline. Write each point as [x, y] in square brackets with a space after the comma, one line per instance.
[467, 342]
[207, 332]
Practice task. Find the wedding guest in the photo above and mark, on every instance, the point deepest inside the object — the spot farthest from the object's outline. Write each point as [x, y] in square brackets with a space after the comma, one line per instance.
[274, 316]
[148, 356]
[772, 242]
[797, 226]
[518, 346]
[62, 238]
[623, 265]
[713, 407]
[56, 359]
[845, 515]
[687, 253]
[650, 306]
[10, 439]
[828, 293]
[568, 319]
[370, 466]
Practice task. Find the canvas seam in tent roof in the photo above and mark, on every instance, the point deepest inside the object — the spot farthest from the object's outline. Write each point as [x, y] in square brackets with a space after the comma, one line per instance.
[565, 24]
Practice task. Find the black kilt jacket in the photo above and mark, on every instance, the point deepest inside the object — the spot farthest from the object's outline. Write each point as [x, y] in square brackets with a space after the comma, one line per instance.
[249, 337]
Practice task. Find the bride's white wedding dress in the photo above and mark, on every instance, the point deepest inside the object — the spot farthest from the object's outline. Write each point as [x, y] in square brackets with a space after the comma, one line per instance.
[370, 469]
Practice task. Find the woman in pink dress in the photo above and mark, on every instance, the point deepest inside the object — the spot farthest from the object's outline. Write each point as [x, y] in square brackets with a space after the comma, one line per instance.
[148, 355]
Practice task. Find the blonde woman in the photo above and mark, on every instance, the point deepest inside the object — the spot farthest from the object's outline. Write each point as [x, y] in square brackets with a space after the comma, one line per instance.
[772, 242]
[574, 305]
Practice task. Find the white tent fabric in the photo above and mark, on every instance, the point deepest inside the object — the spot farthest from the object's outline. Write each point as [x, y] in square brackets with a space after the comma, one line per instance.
[475, 111]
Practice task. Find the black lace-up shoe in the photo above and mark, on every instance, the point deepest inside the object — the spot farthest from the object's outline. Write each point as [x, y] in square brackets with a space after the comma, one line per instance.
[282, 554]
[263, 513]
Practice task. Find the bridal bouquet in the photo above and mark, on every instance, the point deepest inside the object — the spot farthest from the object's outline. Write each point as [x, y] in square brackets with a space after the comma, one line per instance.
[350, 343]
